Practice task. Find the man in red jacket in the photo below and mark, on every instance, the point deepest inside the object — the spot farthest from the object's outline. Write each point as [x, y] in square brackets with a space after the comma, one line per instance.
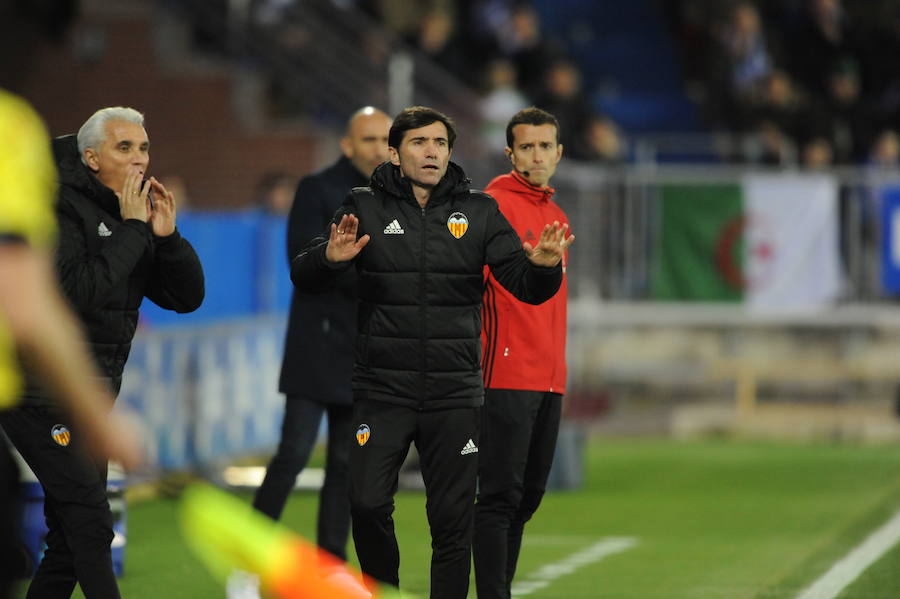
[523, 362]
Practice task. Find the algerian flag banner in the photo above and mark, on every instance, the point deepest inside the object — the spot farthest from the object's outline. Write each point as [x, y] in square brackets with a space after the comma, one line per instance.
[771, 242]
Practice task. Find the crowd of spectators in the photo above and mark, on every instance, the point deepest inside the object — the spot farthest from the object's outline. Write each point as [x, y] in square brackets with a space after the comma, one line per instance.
[794, 82]
[500, 48]
[809, 82]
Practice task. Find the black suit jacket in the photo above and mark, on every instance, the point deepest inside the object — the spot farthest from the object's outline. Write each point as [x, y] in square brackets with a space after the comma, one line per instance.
[318, 349]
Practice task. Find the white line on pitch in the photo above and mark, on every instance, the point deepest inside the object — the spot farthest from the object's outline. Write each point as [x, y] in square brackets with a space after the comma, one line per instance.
[546, 540]
[852, 565]
[547, 574]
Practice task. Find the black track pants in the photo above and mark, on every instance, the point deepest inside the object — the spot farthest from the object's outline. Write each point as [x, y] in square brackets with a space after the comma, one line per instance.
[75, 506]
[447, 441]
[518, 440]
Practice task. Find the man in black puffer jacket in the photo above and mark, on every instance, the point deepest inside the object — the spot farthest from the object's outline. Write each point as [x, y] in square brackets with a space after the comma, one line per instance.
[117, 245]
[420, 239]
[318, 348]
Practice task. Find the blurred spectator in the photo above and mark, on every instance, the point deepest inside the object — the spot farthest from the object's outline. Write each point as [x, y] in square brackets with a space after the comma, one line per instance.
[500, 99]
[277, 28]
[809, 68]
[822, 39]
[563, 96]
[604, 141]
[522, 41]
[746, 47]
[885, 152]
[402, 17]
[740, 64]
[769, 145]
[782, 103]
[688, 21]
[817, 154]
[850, 120]
[435, 38]
[480, 24]
[275, 193]
[376, 47]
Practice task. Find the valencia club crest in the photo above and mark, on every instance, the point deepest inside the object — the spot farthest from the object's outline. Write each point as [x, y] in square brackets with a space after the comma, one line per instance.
[458, 224]
[362, 434]
[60, 435]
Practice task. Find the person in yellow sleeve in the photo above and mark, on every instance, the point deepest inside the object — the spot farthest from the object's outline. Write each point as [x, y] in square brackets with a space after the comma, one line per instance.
[35, 322]
[29, 222]
[36, 326]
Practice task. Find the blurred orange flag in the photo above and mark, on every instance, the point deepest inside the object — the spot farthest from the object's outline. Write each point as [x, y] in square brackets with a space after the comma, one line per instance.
[227, 534]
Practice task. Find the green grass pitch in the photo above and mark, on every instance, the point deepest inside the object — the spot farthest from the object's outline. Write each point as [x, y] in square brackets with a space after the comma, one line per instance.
[710, 519]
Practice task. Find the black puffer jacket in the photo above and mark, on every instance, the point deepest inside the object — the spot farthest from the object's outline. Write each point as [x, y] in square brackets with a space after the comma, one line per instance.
[107, 266]
[421, 284]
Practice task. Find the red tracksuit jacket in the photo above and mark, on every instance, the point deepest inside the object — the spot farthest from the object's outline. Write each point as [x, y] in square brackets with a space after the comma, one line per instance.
[524, 346]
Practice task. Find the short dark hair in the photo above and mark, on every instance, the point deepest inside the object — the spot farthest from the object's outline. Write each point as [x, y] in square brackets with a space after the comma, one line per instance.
[530, 116]
[415, 117]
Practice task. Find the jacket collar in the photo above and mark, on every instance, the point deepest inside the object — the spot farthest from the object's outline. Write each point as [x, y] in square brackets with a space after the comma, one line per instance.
[515, 183]
[387, 177]
[74, 174]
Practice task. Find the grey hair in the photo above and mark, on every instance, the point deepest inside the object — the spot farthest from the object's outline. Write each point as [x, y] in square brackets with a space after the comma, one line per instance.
[93, 131]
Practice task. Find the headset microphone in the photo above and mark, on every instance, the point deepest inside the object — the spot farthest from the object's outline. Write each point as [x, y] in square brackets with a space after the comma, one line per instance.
[526, 173]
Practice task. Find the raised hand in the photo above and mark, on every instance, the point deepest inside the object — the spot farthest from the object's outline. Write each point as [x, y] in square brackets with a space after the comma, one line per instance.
[133, 202]
[551, 246]
[342, 243]
[162, 216]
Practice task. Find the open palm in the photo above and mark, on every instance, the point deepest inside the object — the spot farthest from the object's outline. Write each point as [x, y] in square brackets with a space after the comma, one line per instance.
[551, 246]
[342, 242]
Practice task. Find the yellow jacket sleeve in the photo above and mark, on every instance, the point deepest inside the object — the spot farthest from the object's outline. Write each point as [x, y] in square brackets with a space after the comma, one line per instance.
[27, 174]
[27, 189]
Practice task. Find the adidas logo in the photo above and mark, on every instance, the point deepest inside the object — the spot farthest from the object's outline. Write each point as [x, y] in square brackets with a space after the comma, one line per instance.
[103, 230]
[469, 448]
[394, 228]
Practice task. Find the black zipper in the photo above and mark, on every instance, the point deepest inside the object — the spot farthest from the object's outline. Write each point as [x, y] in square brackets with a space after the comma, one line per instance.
[422, 316]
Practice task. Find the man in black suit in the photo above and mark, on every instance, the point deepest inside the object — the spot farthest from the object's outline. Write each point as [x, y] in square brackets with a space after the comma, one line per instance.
[319, 349]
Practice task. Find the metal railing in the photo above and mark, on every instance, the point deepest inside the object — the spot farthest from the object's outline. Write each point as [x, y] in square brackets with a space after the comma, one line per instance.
[615, 212]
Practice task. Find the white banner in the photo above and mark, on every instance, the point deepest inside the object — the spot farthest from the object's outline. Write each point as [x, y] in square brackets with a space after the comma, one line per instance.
[792, 241]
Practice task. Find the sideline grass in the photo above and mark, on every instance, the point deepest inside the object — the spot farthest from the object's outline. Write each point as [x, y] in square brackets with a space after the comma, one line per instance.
[880, 580]
[713, 519]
